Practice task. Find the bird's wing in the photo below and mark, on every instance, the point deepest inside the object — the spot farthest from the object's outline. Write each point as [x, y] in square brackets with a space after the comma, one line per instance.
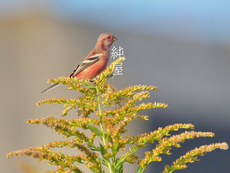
[85, 64]
[82, 66]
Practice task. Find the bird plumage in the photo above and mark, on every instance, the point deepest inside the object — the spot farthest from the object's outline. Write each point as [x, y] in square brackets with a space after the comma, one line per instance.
[95, 62]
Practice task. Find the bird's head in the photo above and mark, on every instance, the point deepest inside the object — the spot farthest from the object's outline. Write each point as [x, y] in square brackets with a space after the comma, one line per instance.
[106, 39]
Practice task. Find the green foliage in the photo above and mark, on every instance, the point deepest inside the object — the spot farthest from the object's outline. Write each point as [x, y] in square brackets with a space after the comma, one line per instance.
[114, 109]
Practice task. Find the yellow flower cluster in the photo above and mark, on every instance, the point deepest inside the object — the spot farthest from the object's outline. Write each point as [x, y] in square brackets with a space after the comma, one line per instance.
[191, 156]
[114, 109]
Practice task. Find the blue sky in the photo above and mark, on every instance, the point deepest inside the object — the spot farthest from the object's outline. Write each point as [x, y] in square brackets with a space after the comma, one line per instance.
[206, 20]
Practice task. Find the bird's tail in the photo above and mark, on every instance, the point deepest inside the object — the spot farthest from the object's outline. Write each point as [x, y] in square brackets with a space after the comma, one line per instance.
[51, 87]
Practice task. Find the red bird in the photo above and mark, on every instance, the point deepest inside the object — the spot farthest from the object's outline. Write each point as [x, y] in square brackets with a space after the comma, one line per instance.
[95, 62]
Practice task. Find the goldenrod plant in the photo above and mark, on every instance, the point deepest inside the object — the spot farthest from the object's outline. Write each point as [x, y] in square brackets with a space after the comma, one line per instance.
[114, 109]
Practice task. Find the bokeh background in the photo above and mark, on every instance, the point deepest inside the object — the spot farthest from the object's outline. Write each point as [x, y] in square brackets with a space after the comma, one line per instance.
[182, 47]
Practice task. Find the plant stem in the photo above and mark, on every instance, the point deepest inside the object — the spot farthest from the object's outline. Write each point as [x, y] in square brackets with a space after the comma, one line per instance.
[101, 126]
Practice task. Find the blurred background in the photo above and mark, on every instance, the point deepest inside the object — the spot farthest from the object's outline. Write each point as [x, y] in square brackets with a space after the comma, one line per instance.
[182, 47]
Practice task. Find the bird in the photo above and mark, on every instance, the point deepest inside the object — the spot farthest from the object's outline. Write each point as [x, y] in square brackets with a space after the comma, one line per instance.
[94, 63]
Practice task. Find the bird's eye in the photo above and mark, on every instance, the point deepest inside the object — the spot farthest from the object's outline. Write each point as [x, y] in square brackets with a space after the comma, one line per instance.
[108, 37]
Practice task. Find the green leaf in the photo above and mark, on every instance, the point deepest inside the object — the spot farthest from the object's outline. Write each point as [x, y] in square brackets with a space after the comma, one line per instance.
[103, 151]
[94, 129]
[94, 148]
[103, 161]
[119, 169]
[121, 161]
[61, 154]
[94, 170]
[90, 86]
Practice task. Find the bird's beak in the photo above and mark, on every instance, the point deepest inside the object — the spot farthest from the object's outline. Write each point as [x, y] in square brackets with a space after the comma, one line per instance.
[114, 38]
